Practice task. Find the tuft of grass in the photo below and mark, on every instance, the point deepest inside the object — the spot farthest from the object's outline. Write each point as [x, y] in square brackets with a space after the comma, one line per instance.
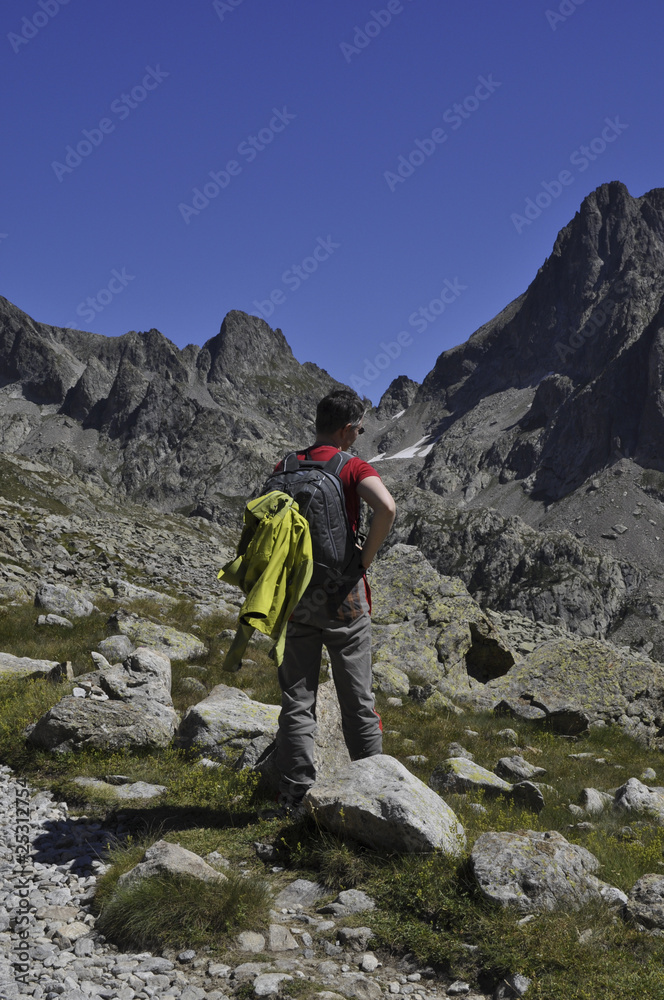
[177, 911]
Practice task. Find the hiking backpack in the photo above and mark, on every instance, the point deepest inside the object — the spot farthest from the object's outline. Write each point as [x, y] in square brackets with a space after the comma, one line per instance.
[319, 493]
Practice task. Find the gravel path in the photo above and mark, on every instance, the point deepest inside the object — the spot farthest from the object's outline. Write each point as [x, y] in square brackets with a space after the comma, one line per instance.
[49, 948]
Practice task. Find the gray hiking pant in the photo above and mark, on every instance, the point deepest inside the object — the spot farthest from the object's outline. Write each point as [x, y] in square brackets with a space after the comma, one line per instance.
[349, 646]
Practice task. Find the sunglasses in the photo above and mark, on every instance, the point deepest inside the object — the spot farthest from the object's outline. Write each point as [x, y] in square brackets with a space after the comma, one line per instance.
[360, 430]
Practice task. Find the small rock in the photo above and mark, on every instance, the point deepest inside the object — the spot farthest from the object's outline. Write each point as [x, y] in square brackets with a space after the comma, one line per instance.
[268, 983]
[251, 941]
[281, 939]
[513, 986]
[56, 620]
[458, 988]
[369, 962]
[187, 956]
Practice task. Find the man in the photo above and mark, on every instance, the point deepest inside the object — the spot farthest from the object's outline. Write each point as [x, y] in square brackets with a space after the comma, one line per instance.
[341, 622]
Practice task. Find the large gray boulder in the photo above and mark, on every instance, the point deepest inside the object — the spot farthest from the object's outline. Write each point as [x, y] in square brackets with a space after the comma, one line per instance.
[79, 723]
[226, 723]
[434, 630]
[58, 599]
[645, 903]
[164, 858]
[535, 872]
[378, 802]
[634, 796]
[138, 713]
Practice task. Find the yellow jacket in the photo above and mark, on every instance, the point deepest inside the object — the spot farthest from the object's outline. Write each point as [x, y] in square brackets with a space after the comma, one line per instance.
[273, 567]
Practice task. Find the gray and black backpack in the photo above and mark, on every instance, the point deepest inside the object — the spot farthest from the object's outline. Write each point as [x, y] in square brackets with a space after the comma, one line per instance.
[319, 493]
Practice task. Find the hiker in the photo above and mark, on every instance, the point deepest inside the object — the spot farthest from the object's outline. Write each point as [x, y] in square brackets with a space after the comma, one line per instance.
[335, 614]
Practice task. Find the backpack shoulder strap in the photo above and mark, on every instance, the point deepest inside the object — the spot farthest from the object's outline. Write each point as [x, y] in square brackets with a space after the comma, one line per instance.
[337, 462]
[291, 463]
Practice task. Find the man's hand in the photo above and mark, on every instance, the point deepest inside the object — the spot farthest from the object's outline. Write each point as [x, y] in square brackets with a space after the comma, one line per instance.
[384, 509]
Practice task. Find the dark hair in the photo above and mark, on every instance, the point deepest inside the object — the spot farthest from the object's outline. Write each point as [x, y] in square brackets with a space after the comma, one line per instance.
[338, 408]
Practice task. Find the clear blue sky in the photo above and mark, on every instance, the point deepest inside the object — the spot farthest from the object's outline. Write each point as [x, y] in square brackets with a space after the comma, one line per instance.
[181, 88]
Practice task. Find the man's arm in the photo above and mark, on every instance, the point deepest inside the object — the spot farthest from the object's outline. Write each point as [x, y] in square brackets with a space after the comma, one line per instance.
[384, 509]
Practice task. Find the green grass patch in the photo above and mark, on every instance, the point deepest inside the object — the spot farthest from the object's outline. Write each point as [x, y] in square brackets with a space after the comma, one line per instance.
[178, 912]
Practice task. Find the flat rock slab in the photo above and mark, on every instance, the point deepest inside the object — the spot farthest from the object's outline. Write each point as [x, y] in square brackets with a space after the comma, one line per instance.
[301, 892]
[349, 902]
[23, 666]
[169, 641]
[226, 723]
[645, 903]
[75, 723]
[535, 872]
[634, 796]
[378, 802]
[130, 790]
[459, 774]
[58, 599]
[170, 859]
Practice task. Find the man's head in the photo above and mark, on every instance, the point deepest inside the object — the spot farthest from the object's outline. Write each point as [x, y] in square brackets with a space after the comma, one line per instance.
[337, 409]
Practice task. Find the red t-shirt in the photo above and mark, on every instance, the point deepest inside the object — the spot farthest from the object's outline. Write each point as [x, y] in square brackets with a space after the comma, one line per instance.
[351, 476]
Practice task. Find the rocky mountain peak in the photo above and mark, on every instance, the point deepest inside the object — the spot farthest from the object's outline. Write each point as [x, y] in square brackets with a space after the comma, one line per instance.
[246, 346]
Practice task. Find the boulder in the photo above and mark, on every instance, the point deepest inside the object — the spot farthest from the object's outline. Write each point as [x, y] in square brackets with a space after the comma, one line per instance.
[459, 774]
[378, 802]
[164, 858]
[116, 648]
[58, 599]
[138, 711]
[348, 902]
[24, 666]
[55, 620]
[517, 768]
[169, 641]
[595, 802]
[634, 796]
[434, 630]
[535, 872]
[77, 723]
[226, 723]
[645, 903]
